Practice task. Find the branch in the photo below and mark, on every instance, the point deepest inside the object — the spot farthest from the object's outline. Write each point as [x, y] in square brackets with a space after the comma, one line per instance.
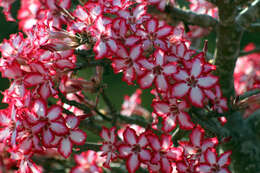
[236, 2]
[249, 15]
[213, 2]
[83, 107]
[87, 146]
[191, 17]
[102, 115]
[254, 27]
[74, 103]
[94, 63]
[249, 94]
[89, 124]
[243, 53]
[241, 2]
[141, 122]
[133, 120]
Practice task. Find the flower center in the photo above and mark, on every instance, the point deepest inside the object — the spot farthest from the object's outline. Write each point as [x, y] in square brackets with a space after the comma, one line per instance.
[192, 81]
[215, 168]
[174, 109]
[152, 36]
[136, 148]
[157, 70]
[128, 62]
[104, 37]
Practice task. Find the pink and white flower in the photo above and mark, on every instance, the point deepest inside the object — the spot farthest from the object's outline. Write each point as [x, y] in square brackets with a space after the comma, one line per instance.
[214, 164]
[172, 111]
[156, 71]
[109, 146]
[164, 152]
[192, 83]
[134, 149]
[86, 163]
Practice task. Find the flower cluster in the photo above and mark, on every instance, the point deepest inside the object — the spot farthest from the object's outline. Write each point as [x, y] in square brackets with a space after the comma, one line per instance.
[247, 77]
[146, 50]
[247, 71]
[158, 154]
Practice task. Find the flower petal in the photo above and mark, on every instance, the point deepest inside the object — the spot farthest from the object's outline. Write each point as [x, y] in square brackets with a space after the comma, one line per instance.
[4, 119]
[100, 49]
[130, 41]
[25, 145]
[58, 128]
[65, 147]
[159, 57]
[145, 155]
[154, 142]
[181, 75]
[170, 69]
[152, 25]
[54, 113]
[5, 133]
[166, 142]
[132, 163]
[135, 52]
[211, 156]
[224, 170]
[146, 80]
[39, 107]
[78, 137]
[203, 168]
[224, 159]
[208, 81]
[196, 68]
[196, 97]
[179, 90]
[124, 150]
[169, 123]
[129, 75]
[166, 165]
[130, 136]
[161, 83]
[196, 136]
[33, 79]
[164, 31]
[105, 134]
[160, 108]
[47, 138]
[184, 120]
[72, 121]
[112, 45]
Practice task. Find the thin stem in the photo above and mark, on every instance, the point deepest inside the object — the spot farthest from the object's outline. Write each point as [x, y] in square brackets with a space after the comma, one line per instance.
[110, 106]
